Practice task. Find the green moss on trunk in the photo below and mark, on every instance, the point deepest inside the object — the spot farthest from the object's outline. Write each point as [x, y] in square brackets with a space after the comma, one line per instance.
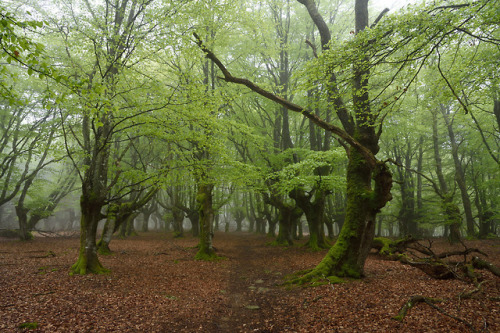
[206, 217]
[346, 258]
[88, 262]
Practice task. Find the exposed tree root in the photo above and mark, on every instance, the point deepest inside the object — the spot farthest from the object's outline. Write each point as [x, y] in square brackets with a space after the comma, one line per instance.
[312, 278]
[414, 300]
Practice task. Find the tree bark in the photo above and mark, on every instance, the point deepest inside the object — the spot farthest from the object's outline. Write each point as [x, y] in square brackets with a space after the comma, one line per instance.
[206, 213]
[88, 262]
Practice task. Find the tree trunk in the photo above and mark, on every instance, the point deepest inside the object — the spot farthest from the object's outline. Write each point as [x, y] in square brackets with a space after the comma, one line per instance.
[178, 216]
[129, 224]
[145, 222]
[314, 209]
[288, 215]
[194, 217]
[107, 233]
[347, 256]
[239, 217]
[206, 213]
[453, 218]
[459, 174]
[22, 216]
[451, 210]
[88, 262]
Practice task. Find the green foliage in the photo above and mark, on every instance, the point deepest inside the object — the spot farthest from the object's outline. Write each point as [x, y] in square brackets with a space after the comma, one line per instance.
[303, 174]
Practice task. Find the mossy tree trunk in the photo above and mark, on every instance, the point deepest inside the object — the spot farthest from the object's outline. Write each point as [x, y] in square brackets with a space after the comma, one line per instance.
[88, 262]
[348, 255]
[94, 194]
[204, 198]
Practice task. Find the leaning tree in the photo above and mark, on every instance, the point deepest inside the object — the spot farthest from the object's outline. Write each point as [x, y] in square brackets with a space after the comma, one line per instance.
[356, 68]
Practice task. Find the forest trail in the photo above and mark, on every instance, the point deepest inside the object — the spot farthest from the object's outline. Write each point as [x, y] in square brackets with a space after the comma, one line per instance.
[254, 287]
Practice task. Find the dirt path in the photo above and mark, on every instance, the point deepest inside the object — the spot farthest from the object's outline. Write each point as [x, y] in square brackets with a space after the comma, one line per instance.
[254, 289]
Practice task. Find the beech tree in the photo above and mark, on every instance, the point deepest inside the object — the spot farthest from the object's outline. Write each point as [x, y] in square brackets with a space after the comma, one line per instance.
[102, 46]
[369, 180]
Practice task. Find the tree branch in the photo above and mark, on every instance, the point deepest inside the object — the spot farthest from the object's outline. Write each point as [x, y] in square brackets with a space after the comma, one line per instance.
[228, 77]
[380, 16]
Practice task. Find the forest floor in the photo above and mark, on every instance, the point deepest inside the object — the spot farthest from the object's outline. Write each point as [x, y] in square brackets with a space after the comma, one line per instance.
[155, 285]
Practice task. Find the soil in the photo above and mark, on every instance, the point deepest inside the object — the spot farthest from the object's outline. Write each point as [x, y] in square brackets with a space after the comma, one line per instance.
[155, 285]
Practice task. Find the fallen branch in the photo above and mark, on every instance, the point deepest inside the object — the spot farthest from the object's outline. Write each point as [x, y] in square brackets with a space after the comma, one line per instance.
[414, 300]
[470, 294]
[435, 265]
[483, 264]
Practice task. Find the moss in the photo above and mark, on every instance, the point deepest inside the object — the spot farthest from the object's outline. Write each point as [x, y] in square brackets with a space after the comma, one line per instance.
[335, 279]
[30, 326]
[207, 256]
[348, 270]
[315, 245]
[82, 267]
[201, 197]
[279, 242]
[178, 234]
[383, 245]
[104, 250]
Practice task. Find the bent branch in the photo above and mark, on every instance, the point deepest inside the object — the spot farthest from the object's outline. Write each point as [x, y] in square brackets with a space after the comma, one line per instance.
[228, 77]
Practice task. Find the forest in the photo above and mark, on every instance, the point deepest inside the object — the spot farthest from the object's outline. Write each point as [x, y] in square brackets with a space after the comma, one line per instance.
[257, 165]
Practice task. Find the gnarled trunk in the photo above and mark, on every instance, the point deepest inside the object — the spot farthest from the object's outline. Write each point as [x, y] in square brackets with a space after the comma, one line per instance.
[346, 258]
